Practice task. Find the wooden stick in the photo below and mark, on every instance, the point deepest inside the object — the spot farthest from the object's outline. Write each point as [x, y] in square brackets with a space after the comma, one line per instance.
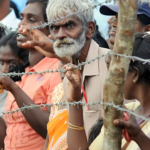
[113, 87]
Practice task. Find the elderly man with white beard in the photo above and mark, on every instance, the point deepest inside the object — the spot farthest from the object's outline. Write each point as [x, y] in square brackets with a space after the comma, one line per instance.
[72, 41]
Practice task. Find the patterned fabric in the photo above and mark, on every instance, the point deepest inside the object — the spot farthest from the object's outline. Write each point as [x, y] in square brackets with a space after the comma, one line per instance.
[58, 124]
[57, 95]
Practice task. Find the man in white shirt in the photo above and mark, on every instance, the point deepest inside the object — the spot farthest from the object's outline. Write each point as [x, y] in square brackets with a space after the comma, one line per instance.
[7, 15]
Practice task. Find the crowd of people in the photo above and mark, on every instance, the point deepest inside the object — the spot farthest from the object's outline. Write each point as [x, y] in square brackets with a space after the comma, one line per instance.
[62, 45]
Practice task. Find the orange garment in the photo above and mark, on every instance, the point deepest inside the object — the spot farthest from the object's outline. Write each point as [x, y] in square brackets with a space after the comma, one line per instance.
[20, 135]
[57, 131]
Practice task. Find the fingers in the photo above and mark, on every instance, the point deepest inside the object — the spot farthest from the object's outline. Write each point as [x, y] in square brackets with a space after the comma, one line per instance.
[71, 79]
[50, 37]
[71, 73]
[121, 123]
[69, 69]
[32, 44]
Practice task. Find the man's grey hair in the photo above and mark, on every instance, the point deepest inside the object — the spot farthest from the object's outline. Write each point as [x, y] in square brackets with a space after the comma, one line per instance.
[57, 9]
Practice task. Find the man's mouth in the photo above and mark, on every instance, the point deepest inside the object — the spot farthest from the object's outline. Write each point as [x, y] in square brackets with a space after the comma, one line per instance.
[21, 36]
[62, 44]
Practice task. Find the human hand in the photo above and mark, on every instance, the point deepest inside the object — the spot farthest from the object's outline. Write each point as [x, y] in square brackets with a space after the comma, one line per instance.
[7, 83]
[73, 83]
[40, 41]
[131, 126]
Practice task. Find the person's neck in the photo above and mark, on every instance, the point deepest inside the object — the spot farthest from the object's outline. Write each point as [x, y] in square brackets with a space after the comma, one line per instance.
[4, 9]
[34, 57]
[144, 98]
[84, 52]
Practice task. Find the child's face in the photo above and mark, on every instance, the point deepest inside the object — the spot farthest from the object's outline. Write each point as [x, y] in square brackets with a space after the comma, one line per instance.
[7, 59]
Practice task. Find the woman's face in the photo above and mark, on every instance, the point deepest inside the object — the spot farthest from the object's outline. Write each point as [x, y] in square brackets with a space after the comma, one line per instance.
[7, 59]
[129, 86]
[32, 15]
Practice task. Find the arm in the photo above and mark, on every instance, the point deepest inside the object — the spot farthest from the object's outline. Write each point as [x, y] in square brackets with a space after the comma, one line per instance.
[36, 118]
[76, 138]
[143, 141]
[135, 132]
[2, 132]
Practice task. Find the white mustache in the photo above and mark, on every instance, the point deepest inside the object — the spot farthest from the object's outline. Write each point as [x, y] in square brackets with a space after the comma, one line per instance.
[66, 41]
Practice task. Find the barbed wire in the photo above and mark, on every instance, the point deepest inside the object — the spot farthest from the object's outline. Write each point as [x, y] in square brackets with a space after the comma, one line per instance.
[118, 107]
[75, 13]
[54, 21]
[67, 16]
[80, 65]
[62, 18]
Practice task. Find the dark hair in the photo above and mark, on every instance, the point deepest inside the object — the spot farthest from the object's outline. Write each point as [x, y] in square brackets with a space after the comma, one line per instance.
[13, 5]
[99, 39]
[2, 32]
[141, 49]
[144, 20]
[95, 131]
[44, 4]
[22, 54]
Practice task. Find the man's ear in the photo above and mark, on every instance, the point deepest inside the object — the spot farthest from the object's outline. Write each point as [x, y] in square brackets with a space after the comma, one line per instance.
[91, 29]
[136, 75]
[147, 28]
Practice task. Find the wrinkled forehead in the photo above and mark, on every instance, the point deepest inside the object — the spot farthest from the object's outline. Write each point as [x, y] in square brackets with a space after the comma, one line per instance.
[64, 20]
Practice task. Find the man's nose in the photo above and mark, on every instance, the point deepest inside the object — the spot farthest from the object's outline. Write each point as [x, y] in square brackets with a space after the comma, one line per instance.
[61, 33]
[114, 23]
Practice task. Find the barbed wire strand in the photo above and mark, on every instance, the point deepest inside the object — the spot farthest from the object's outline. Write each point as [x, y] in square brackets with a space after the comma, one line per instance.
[118, 107]
[67, 16]
[133, 58]
[75, 13]
[62, 18]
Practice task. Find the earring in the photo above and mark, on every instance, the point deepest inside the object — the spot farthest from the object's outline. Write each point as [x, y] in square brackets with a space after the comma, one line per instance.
[134, 81]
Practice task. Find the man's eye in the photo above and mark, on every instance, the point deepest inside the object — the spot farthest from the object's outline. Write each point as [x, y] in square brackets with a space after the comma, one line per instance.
[54, 28]
[70, 26]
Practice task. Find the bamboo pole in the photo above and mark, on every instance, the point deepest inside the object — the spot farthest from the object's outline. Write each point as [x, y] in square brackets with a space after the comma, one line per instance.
[113, 87]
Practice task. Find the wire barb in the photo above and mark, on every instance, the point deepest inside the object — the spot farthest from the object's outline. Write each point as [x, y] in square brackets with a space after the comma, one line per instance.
[112, 105]
[68, 16]
[80, 65]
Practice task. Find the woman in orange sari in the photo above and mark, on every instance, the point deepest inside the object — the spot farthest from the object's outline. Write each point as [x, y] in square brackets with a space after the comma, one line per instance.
[58, 121]
[58, 124]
